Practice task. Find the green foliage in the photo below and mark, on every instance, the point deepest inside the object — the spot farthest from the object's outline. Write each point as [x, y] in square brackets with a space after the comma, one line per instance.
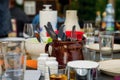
[87, 8]
[101, 5]
[74, 5]
[117, 10]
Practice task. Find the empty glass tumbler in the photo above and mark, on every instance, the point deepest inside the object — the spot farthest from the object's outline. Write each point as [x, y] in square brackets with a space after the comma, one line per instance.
[14, 58]
[106, 42]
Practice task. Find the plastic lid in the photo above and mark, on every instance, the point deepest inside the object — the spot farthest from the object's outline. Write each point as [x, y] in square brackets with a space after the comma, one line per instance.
[51, 59]
[83, 64]
[11, 39]
[43, 55]
[47, 7]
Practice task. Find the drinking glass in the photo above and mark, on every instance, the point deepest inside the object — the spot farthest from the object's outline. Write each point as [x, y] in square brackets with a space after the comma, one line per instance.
[28, 30]
[92, 55]
[89, 34]
[14, 58]
[53, 75]
[106, 42]
[88, 28]
[1, 62]
[90, 39]
[59, 76]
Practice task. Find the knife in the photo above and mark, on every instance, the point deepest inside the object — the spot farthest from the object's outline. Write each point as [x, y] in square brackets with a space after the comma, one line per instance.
[61, 32]
[37, 32]
[73, 34]
[50, 26]
[64, 37]
[52, 34]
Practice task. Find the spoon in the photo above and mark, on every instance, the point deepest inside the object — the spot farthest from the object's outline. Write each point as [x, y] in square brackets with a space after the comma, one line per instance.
[37, 33]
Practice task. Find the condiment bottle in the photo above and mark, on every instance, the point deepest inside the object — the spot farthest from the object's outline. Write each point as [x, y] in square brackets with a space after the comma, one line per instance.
[41, 63]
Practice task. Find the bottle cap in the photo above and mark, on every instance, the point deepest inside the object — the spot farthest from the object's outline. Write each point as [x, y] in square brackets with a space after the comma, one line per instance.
[51, 59]
[109, 5]
[43, 55]
[47, 7]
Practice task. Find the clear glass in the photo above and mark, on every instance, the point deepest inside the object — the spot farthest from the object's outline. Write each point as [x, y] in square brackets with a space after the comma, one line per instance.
[92, 55]
[1, 62]
[28, 30]
[89, 33]
[106, 42]
[14, 59]
[82, 74]
[59, 76]
[88, 29]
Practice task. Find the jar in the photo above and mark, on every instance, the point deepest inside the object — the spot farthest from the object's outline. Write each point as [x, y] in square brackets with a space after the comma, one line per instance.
[51, 67]
[41, 63]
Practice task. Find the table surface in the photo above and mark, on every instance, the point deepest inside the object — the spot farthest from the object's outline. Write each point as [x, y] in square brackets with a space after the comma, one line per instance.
[96, 47]
[101, 75]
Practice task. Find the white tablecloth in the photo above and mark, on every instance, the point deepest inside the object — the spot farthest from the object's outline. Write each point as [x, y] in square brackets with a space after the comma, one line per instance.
[32, 75]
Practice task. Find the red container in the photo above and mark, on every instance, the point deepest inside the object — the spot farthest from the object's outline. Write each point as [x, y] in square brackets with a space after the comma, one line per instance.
[78, 33]
[69, 33]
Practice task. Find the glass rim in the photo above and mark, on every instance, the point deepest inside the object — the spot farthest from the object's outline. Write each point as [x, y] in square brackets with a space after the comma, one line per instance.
[107, 32]
[107, 36]
[12, 39]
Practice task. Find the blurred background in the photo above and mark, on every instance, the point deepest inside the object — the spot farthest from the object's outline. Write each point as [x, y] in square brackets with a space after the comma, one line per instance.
[86, 8]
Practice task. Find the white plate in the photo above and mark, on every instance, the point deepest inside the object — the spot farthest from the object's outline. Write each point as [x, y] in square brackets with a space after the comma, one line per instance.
[12, 39]
[110, 67]
[83, 64]
[96, 47]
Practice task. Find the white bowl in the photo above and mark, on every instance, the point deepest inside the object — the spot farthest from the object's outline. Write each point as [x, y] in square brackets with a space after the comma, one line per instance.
[34, 48]
[83, 64]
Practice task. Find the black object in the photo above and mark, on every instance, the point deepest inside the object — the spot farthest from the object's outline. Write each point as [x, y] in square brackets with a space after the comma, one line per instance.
[49, 25]
[73, 34]
[52, 34]
[61, 32]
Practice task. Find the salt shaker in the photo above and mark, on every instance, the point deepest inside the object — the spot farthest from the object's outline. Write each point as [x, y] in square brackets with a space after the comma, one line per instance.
[41, 63]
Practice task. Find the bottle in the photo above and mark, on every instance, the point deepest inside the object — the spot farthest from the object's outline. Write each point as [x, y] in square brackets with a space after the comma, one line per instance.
[41, 63]
[97, 23]
[51, 67]
[110, 17]
[103, 24]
